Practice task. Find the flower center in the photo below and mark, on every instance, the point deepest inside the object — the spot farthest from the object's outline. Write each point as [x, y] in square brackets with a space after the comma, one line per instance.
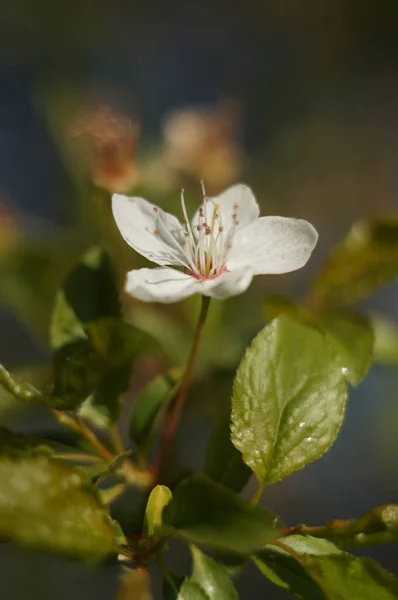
[206, 243]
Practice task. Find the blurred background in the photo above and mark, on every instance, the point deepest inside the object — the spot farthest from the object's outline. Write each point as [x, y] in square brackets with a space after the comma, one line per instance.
[297, 99]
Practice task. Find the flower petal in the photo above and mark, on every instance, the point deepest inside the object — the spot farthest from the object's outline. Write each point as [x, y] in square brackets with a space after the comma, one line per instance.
[152, 232]
[239, 200]
[273, 245]
[228, 284]
[160, 285]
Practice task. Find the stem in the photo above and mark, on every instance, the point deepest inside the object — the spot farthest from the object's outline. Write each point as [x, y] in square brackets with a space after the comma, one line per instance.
[95, 442]
[117, 440]
[258, 493]
[176, 411]
[85, 458]
[81, 429]
[137, 477]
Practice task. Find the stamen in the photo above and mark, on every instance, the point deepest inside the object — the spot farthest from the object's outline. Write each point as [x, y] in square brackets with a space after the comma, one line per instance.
[207, 250]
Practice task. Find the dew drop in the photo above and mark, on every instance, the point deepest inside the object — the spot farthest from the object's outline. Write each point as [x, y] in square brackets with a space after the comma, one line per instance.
[301, 425]
[309, 439]
[344, 370]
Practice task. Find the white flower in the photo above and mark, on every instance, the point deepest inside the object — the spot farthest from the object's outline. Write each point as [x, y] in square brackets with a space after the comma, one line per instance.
[224, 246]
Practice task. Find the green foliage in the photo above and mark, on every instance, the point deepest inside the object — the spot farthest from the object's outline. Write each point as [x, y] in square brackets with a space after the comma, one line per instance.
[353, 337]
[16, 444]
[20, 389]
[88, 294]
[204, 512]
[288, 403]
[100, 365]
[386, 340]
[351, 332]
[46, 503]
[29, 274]
[288, 399]
[158, 500]
[150, 405]
[178, 588]
[364, 261]
[223, 462]
[211, 577]
[316, 570]
[87, 309]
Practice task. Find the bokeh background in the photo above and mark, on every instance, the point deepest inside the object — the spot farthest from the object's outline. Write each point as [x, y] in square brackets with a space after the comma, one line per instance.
[297, 99]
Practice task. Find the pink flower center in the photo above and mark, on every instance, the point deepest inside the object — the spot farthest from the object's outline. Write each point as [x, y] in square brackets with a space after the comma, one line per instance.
[206, 245]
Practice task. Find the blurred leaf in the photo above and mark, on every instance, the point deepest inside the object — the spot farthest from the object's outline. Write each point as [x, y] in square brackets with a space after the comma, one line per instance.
[363, 262]
[20, 389]
[315, 569]
[100, 365]
[30, 274]
[135, 586]
[150, 404]
[211, 577]
[88, 299]
[46, 503]
[88, 294]
[354, 340]
[204, 512]
[386, 340]
[344, 577]
[178, 588]
[173, 337]
[288, 400]
[287, 573]
[158, 499]
[223, 462]
[103, 406]
[17, 444]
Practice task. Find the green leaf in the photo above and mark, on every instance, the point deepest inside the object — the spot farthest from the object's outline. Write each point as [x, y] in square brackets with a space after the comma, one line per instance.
[17, 444]
[353, 336]
[211, 577]
[223, 462]
[158, 500]
[178, 588]
[204, 512]
[20, 389]
[98, 366]
[315, 569]
[135, 586]
[46, 503]
[386, 340]
[351, 331]
[287, 573]
[289, 398]
[346, 577]
[149, 406]
[363, 262]
[32, 270]
[88, 294]
[88, 307]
